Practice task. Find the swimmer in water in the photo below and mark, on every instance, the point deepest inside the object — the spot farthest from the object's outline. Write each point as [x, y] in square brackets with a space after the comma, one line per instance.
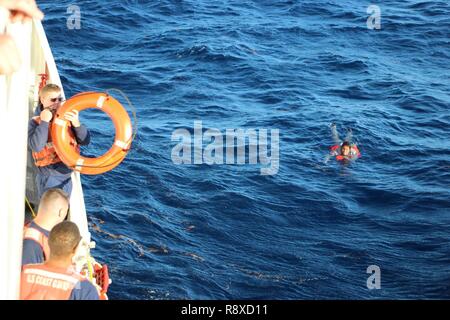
[343, 150]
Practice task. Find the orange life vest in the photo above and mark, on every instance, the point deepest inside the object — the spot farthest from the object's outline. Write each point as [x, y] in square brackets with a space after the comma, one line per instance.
[30, 233]
[40, 282]
[48, 155]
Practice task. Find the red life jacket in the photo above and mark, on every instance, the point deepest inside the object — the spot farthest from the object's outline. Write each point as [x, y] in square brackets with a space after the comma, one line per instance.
[30, 233]
[40, 282]
[101, 276]
[48, 155]
[339, 157]
[334, 148]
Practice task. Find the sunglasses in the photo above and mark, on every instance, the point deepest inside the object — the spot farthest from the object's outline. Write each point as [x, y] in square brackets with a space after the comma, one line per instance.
[60, 99]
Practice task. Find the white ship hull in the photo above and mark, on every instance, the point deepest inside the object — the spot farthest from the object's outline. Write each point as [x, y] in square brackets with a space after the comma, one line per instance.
[18, 99]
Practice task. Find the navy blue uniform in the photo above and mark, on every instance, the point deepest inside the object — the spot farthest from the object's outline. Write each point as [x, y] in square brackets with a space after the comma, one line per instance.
[56, 175]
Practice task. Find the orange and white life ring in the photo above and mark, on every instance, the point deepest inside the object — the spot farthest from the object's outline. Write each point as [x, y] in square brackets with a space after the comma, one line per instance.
[69, 154]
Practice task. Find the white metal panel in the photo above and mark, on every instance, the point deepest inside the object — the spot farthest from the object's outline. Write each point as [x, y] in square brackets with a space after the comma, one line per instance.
[14, 116]
[18, 96]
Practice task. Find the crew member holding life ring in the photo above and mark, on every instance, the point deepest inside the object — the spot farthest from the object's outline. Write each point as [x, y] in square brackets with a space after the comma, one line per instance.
[51, 171]
[70, 155]
[343, 150]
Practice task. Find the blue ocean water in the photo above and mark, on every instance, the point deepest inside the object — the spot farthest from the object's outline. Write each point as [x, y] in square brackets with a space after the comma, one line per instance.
[309, 232]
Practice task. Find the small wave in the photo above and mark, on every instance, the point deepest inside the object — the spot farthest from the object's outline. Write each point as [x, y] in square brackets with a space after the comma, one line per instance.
[422, 103]
[206, 54]
[334, 62]
[355, 92]
[431, 8]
